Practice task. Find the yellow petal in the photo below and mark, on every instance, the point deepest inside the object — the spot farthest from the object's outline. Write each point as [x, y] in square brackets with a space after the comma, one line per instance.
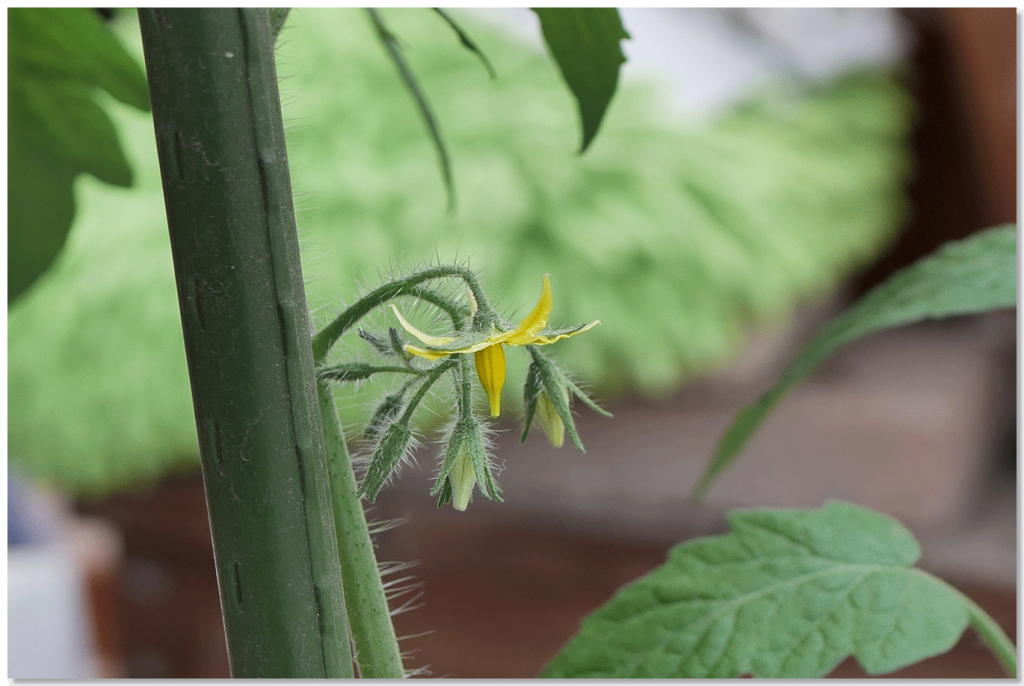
[490, 367]
[425, 337]
[427, 354]
[495, 339]
[534, 322]
[545, 340]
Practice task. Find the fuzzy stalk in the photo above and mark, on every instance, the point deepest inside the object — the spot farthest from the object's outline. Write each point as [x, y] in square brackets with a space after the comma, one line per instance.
[327, 336]
[373, 635]
[227, 192]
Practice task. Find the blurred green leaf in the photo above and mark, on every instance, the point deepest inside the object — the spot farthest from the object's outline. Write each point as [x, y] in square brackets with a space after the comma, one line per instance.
[56, 130]
[391, 45]
[466, 41]
[96, 364]
[584, 42]
[787, 594]
[974, 275]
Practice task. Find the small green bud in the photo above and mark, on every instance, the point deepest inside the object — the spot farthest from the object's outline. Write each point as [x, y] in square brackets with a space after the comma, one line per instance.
[378, 343]
[397, 344]
[462, 478]
[385, 412]
[465, 465]
[546, 397]
[389, 452]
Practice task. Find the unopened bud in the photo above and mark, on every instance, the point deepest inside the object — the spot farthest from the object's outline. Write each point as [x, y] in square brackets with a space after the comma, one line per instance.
[389, 452]
[549, 420]
[465, 456]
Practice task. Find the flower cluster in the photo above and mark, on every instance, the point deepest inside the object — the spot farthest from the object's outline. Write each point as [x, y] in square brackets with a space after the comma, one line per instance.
[478, 331]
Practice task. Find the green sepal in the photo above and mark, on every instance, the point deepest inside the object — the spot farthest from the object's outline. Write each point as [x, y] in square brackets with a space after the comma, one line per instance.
[587, 400]
[464, 434]
[554, 382]
[397, 344]
[466, 444]
[378, 343]
[531, 391]
[446, 494]
[485, 477]
[386, 456]
[564, 331]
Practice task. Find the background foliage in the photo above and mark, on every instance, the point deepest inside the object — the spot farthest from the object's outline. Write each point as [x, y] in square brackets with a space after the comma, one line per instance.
[677, 235]
[58, 60]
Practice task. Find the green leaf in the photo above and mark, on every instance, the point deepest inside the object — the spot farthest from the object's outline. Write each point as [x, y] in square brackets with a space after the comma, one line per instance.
[584, 42]
[786, 594]
[977, 274]
[390, 42]
[56, 130]
[466, 41]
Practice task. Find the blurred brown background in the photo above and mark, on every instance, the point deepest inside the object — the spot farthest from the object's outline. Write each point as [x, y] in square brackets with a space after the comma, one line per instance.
[504, 587]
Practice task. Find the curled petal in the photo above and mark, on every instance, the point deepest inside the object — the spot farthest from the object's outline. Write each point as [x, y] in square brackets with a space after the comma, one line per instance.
[433, 341]
[424, 353]
[534, 322]
[553, 336]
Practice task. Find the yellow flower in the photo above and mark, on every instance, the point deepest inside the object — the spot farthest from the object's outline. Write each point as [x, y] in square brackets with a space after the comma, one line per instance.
[488, 348]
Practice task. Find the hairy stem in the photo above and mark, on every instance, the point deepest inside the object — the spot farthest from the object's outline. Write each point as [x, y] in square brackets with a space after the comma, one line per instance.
[373, 635]
[432, 377]
[327, 336]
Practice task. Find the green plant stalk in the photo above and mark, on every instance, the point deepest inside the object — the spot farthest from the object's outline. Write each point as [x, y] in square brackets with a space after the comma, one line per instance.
[227, 192]
[373, 634]
[992, 634]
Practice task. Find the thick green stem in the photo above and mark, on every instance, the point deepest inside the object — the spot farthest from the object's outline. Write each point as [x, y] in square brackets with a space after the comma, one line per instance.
[227, 192]
[373, 634]
[993, 636]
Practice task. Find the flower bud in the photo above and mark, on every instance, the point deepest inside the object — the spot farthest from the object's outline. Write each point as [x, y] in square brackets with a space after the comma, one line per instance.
[389, 452]
[549, 420]
[462, 478]
[465, 464]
